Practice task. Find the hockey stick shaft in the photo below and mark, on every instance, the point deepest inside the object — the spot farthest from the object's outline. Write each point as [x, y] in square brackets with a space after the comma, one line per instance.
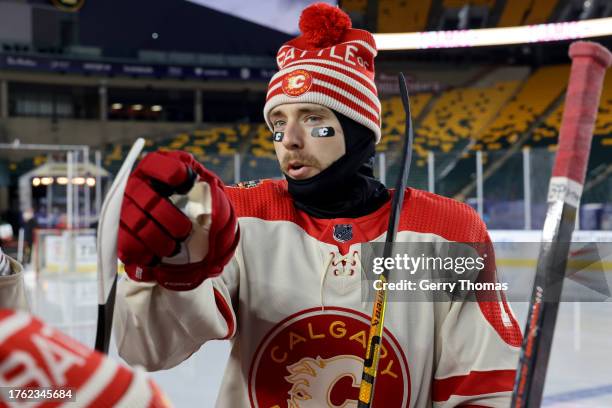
[373, 349]
[106, 246]
[589, 63]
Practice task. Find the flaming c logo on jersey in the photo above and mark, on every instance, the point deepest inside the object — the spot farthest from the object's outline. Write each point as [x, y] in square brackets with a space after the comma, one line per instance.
[314, 359]
[297, 82]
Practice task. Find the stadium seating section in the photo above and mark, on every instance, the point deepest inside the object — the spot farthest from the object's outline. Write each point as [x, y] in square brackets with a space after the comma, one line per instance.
[408, 16]
[540, 11]
[395, 16]
[459, 115]
[547, 132]
[450, 123]
[536, 95]
[354, 6]
[603, 127]
[461, 3]
[393, 118]
[524, 12]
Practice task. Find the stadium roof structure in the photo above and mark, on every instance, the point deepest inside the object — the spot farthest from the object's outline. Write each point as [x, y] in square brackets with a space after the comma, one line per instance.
[122, 27]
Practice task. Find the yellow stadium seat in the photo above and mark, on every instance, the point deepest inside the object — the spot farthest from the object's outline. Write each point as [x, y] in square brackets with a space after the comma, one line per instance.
[549, 129]
[393, 120]
[514, 13]
[354, 6]
[396, 16]
[460, 114]
[461, 3]
[536, 95]
[540, 11]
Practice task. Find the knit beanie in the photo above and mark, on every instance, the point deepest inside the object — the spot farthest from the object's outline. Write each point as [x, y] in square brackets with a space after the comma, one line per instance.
[329, 64]
[36, 356]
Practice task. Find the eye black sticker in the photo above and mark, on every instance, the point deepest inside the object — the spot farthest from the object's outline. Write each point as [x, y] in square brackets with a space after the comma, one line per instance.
[278, 136]
[323, 132]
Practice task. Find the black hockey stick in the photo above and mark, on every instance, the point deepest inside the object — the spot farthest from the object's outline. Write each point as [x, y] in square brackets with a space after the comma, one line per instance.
[589, 63]
[106, 244]
[370, 364]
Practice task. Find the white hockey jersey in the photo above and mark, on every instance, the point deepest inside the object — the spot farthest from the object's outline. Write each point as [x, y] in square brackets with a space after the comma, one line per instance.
[12, 289]
[290, 302]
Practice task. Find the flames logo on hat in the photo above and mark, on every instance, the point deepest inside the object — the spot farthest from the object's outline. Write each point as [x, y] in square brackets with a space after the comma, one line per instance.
[314, 359]
[297, 82]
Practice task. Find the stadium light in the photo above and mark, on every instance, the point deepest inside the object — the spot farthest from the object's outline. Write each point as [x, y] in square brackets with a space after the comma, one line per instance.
[91, 182]
[36, 182]
[45, 181]
[495, 36]
[79, 181]
[62, 180]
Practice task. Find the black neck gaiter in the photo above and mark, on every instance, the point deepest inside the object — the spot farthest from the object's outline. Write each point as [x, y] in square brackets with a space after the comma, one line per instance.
[347, 188]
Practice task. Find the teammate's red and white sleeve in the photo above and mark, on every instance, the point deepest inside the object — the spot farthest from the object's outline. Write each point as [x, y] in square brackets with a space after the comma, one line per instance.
[172, 303]
[477, 347]
[34, 355]
[12, 289]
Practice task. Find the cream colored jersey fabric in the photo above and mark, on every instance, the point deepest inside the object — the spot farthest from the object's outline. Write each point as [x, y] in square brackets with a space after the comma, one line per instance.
[290, 303]
[12, 289]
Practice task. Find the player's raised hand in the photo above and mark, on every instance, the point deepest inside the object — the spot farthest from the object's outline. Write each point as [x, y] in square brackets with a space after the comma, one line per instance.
[177, 225]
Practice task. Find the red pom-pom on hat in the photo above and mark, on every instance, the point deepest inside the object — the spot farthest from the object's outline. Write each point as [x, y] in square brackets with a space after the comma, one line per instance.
[323, 25]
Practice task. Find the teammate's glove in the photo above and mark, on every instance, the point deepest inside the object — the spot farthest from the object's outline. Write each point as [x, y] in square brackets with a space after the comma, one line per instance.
[178, 248]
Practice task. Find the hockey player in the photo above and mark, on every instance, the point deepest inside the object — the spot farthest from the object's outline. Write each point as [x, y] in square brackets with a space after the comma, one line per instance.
[275, 266]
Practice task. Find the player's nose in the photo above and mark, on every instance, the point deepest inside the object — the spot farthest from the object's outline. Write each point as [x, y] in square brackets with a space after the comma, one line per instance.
[294, 136]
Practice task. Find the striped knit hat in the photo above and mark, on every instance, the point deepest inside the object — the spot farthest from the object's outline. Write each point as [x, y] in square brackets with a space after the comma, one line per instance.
[330, 64]
[33, 355]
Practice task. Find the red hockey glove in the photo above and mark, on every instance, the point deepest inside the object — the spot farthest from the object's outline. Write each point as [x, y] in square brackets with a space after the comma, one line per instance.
[155, 237]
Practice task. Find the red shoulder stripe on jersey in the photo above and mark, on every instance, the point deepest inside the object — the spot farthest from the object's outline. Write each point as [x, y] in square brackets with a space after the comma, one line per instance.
[269, 201]
[490, 301]
[422, 212]
[450, 219]
[226, 312]
[473, 384]
[510, 333]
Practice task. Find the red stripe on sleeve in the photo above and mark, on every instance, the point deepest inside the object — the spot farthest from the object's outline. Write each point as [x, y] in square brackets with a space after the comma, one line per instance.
[226, 311]
[475, 383]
